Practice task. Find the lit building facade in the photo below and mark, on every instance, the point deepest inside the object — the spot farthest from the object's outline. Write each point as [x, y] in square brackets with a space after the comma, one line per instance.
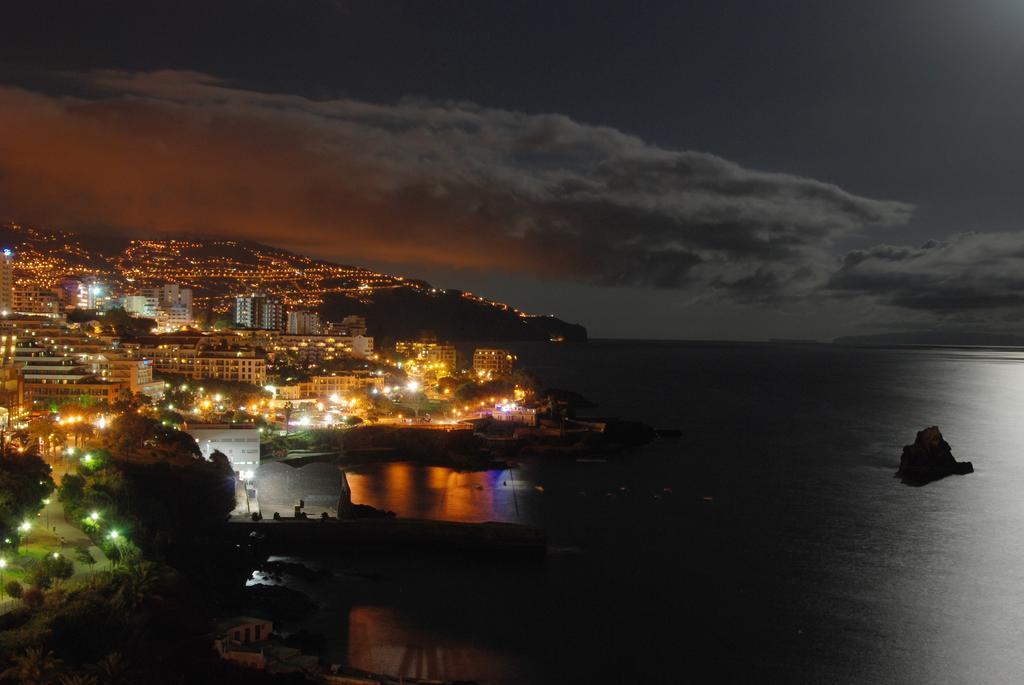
[430, 353]
[6, 282]
[335, 386]
[38, 301]
[12, 383]
[239, 442]
[123, 368]
[303, 323]
[170, 304]
[493, 363]
[198, 356]
[259, 310]
[51, 378]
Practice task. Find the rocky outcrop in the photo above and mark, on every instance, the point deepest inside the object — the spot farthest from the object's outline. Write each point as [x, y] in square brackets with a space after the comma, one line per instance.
[930, 458]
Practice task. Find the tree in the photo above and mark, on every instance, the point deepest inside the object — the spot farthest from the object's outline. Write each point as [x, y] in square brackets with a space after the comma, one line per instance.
[24, 483]
[32, 598]
[139, 582]
[221, 460]
[13, 588]
[45, 432]
[176, 443]
[81, 432]
[78, 679]
[84, 556]
[112, 670]
[50, 568]
[128, 433]
[34, 667]
[288, 408]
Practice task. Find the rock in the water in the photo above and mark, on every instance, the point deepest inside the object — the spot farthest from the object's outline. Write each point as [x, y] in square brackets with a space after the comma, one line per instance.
[930, 458]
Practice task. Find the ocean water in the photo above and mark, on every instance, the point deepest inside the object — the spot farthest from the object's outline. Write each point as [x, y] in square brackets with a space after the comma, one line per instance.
[771, 543]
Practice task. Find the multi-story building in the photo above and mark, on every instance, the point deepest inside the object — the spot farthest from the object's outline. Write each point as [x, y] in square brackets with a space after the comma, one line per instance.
[442, 357]
[303, 323]
[168, 294]
[259, 310]
[352, 325]
[171, 305]
[140, 305]
[332, 387]
[174, 317]
[12, 382]
[201, 356]
[307, 349]
[95, 294]
[239, 442]
[39, 301]
[243, 366]
[6, 281]
[49, 377]
[121, 367]
[492, 362]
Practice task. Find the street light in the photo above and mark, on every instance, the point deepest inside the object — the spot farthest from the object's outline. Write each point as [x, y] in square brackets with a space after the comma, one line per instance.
[94, 516]
[115, 539]
[23, 528]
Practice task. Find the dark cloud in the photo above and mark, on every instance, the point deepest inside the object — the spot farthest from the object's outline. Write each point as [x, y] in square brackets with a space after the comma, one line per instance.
[440, 183]
[973, 275]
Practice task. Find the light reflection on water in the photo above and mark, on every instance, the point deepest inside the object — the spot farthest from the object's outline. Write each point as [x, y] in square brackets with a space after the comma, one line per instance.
[443, 493]
[811, 563]
[382, 640]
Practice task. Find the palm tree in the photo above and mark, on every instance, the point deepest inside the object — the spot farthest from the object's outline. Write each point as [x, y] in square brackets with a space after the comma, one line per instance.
[78, 679]
[139, 582]
[34, 667]
[112, 670]
[39, 431]
[81, 432]
[288, 408]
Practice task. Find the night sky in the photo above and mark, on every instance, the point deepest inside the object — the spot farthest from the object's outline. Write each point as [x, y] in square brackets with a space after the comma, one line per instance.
[667, 170]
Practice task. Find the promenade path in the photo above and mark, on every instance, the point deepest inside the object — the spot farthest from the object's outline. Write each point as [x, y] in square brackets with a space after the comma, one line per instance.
[53, 531]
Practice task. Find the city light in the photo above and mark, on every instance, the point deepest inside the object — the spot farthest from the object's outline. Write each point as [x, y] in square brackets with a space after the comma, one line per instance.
[94, 516]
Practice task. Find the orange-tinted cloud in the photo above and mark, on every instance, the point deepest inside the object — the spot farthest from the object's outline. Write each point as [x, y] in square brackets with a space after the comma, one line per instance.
[447, 184]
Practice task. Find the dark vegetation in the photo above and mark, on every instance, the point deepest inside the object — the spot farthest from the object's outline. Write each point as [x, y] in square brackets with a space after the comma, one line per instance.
[403, 313]
[115, 320]
[448, 448]
[24, 483]
[146, 615]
